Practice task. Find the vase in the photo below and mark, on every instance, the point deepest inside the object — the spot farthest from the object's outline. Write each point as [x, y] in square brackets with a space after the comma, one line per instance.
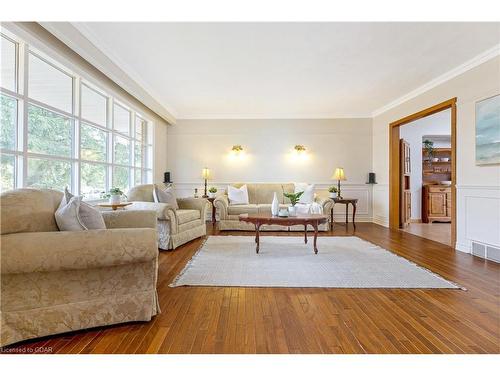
[292, 211]
[211, 195]
[275, 205]
[333, 195]
[114, 199]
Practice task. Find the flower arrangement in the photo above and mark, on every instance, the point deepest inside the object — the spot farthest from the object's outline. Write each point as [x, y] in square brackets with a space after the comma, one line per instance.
[212, 191]
[294, 197]
[114, 195]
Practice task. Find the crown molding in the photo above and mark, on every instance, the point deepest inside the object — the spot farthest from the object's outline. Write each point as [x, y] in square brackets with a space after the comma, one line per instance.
[83, 42]
[468, 65]
[275, 117]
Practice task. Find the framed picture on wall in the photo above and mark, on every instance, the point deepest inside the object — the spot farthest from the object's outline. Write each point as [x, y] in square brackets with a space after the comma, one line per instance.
[488, 131]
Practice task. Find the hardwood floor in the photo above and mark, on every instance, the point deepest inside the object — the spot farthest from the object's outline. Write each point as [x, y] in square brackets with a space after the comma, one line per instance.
[439, 232]
[313, 320]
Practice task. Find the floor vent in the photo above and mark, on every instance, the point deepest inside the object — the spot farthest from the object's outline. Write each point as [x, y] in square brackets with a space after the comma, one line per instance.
[486, 251]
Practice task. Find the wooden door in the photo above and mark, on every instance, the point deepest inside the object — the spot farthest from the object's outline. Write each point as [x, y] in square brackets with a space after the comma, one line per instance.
[405, 191]
[437, 205]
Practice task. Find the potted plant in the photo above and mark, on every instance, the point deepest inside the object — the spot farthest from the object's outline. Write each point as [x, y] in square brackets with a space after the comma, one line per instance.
[429, 149]
[212, 191]
[294, 199]
[114, 195]
[333, 191]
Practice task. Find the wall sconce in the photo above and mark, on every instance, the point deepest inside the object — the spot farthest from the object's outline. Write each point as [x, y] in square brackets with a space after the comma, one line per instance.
[299, 149]
[237, 149]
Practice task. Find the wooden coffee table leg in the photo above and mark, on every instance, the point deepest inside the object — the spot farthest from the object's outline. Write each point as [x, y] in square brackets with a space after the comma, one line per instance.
[257, 239]
[305, 233]
[315, 237]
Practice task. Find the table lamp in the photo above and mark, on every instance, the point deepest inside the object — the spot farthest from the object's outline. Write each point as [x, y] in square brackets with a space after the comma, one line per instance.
[339, 176]
[205, 174]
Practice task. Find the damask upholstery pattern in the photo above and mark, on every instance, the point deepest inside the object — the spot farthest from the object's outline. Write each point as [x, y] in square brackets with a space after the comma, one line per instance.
[175, 226]
[260, 196]
[54, 282]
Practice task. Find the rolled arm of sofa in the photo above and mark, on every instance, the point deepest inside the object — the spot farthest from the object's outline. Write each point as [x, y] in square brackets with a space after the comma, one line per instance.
[59, 251]
[221, 203]
[163, 211]
[326, 203]
[129, 219]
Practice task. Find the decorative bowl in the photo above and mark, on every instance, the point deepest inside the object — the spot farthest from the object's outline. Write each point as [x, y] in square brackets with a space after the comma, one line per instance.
[445, 159]
[435, 159]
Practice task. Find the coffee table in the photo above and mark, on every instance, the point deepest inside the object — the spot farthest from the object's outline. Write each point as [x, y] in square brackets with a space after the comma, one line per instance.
[310, 219]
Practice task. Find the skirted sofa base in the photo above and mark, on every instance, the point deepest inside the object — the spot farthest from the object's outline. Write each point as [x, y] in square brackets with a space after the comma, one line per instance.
[259, 197]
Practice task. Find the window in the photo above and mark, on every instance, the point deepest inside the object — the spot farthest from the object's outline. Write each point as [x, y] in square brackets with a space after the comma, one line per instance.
[93, 106]
[121, 119]
[49, 84]
[7, 172]
[92, 143]
[68, 143]
[8, 122]
[48, 132]
[8, 64]
[49, 173]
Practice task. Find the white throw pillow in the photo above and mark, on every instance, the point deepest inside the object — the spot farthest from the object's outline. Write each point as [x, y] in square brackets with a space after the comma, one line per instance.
[67, 218]
[237, 196]
[87, 217]
[166, 195]
[308, 196]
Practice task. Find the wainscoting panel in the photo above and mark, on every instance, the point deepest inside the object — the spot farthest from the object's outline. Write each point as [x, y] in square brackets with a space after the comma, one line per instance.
[362, 192]
[381, 204]
[478, 214]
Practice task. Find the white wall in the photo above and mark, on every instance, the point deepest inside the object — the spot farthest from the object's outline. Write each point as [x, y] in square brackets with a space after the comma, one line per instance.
[478, 187]
[269, 156]
[437, 124]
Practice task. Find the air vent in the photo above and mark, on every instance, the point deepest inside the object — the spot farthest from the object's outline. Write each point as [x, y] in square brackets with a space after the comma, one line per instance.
[486, 251]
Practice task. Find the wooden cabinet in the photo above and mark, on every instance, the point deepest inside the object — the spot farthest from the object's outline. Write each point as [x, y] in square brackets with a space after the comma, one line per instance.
[436, 203]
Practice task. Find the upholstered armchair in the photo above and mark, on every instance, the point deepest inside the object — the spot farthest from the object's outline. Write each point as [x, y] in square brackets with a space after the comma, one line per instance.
[175, 226]
[54, 282]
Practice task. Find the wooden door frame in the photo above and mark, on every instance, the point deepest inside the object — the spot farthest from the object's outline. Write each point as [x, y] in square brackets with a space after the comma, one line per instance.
[394, 166]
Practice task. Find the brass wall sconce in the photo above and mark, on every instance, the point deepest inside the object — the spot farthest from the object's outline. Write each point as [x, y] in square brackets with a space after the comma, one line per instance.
[300, 149]
[237, 149]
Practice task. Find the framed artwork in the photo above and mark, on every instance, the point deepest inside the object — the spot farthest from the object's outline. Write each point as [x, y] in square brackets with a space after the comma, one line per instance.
[488, 131]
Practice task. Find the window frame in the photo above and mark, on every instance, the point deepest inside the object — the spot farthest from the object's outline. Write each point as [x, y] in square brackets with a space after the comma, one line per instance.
[21, 95]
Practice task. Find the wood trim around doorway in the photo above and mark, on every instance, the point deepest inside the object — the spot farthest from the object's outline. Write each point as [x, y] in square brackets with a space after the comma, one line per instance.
[394, 166]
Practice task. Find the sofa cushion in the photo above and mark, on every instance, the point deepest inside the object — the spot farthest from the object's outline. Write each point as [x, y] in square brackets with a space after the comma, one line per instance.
[67, 216]
[185, 216]
[90, 217]
[266, 208]
[307, 196]
[166, 195]
[242, 209]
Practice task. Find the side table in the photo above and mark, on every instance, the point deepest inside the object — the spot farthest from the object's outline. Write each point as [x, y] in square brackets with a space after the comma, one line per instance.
[211, 200]
[346, 201]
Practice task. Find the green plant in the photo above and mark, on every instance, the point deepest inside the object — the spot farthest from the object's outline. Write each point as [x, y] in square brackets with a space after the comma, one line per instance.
[429, 148]
[294, 197]
[332, 189]
[113, 191]
[212, 190]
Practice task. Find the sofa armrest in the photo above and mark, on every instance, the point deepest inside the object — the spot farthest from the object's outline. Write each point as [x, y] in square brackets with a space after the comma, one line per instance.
[163, 211]
[129, 219]
[221, 203]
[326, 204]
[61, 251]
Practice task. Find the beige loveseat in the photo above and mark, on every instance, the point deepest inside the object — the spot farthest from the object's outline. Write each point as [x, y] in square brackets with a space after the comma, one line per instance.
[175, 226]
[260, 197]
[53, 282]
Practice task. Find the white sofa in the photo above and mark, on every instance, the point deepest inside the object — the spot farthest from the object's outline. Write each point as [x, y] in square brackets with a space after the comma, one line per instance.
[175, 226]
[260, 197]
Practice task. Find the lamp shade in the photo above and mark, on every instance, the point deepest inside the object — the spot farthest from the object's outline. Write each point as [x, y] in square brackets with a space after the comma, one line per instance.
[339, 175]
[205, 173]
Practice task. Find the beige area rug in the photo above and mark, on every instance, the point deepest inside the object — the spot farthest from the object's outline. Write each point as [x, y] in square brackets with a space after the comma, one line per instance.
[342, 262]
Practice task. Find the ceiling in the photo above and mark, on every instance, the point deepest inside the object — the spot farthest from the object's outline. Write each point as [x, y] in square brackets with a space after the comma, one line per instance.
[286, 70]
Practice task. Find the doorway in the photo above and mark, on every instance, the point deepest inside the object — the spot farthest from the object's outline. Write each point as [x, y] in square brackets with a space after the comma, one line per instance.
[422, 173]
